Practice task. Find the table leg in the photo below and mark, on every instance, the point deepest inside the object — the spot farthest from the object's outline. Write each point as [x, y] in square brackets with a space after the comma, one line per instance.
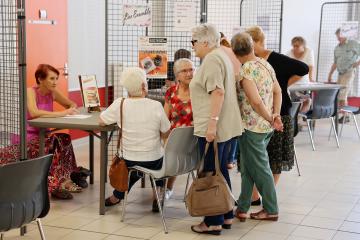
[103, 172]
[42, 132]
[91, 157]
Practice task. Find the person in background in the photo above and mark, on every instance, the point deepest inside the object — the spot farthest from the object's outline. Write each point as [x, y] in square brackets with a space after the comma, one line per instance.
[144, 124]
[346, 60]
[302, 53]
[40, 99]
[180, 53]
[216, 113]
[288, 71]
[260, 102]
[226, 47]
[178, 104]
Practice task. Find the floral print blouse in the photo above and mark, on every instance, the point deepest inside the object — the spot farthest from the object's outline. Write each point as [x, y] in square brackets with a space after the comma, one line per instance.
[263, 75]
[180, 113]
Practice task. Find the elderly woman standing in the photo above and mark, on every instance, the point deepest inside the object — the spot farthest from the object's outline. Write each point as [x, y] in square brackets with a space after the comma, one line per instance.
[144, 122]
[178, 104]
[260, 101]
[288, 71]
[215, 111]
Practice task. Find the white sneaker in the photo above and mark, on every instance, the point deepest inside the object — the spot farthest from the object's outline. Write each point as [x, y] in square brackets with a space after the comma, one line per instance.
[168, 194]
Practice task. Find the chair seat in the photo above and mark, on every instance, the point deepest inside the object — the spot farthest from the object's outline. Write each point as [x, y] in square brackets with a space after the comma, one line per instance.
[351, 109]
[155, 173]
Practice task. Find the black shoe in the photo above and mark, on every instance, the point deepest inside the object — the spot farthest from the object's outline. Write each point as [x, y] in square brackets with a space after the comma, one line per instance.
[79, 179]
[226, 226]
[256, 202]
[108, 202]
[344, 120]
[155, 207]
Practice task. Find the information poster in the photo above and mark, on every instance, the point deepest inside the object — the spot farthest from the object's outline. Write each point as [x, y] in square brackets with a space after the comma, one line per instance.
[184, 16]
[89, 90]
[136, 15]
[153, 56]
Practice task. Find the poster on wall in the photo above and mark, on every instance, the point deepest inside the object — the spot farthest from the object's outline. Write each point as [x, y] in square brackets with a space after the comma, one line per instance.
[153, 56]
[349, 29]
[184, 16]
[136, 15]
[89, 91]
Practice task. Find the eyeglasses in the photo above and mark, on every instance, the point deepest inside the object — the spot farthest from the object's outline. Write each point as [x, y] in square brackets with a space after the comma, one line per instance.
[193, 42]
[189, 70]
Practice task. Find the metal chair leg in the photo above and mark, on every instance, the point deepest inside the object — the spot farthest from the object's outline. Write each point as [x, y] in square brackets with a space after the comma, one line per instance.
[310, 133]
[41, 230]
[330, 132]
[186, 186]
[159, 205]
[296, 161]
[343, 123]
[336, 136]
[2, 236]
[356, 124]
[125, 200]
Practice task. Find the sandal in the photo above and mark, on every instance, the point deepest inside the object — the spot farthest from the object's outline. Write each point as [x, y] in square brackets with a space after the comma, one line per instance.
[79, 179]
[263, 215]
[210, 229]
[109, 203]
[70, 186]
[61, 194]
[240, 215]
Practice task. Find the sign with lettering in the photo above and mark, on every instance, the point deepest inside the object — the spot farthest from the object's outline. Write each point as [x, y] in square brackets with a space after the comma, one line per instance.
[184, 16]
[153, 56]
[136, 15]
[349, 29]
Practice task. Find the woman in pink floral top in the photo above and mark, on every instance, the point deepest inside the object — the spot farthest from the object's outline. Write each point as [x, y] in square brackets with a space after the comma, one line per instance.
[178, 104]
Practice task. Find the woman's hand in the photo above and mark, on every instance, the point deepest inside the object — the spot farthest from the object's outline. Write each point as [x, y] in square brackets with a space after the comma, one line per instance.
[71, 111]
[211, 131]
[277, 123]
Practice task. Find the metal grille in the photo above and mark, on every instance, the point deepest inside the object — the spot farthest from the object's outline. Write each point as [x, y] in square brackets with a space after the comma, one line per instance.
[333, 14]
[122, 44]
[268, 15]
[9, 75]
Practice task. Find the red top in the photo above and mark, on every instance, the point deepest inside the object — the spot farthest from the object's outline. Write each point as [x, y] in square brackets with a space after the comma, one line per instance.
[180, 113]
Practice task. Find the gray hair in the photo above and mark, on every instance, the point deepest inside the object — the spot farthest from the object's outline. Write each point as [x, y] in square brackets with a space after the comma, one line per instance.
[179, 63]
[242, 44]
[133, 79]
[207, 33]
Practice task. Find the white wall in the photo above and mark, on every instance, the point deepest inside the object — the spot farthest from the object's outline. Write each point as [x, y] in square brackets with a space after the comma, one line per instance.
[86, 38]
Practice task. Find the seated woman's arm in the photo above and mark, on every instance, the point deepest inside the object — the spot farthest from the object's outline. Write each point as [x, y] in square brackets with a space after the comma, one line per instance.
[255, 100]
[35, 112]
[63, 101]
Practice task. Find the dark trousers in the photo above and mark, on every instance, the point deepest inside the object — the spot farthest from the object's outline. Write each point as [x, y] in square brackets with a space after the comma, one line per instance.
[209, 165]
[135, 176]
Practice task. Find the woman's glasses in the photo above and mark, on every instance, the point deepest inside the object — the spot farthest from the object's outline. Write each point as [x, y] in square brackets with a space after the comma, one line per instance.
[193, 42]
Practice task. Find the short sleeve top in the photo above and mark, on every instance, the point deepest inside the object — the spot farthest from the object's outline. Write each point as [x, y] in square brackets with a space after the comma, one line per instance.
[180, 113]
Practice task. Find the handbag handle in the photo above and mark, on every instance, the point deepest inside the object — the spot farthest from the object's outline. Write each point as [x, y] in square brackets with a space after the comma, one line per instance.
[216, 158]
[120, 130]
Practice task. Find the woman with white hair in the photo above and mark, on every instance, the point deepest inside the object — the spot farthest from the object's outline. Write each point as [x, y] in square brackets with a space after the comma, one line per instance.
[216, 112]
[144, 122]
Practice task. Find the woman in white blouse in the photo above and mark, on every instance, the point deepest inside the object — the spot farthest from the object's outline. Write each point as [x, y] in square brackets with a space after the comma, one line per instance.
[144, 123]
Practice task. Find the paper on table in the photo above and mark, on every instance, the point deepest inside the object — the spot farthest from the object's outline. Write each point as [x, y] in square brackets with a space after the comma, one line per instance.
[77, 116]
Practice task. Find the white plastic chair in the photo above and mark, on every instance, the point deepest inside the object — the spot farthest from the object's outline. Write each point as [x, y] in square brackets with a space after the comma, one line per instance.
[181, 156]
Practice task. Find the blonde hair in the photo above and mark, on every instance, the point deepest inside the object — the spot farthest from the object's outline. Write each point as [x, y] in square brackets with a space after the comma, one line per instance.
[133, 79]
[256, 33]
[207, 33]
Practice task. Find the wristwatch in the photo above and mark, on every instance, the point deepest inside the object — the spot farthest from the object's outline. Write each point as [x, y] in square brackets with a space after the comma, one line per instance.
[214, 118]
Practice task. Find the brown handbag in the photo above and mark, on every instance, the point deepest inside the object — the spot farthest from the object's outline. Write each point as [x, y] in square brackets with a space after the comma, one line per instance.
[209, 194]
[118, 173]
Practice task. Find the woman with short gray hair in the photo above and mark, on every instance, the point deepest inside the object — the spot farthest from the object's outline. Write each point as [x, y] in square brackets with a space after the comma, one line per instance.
[215, 111]
[260, 102]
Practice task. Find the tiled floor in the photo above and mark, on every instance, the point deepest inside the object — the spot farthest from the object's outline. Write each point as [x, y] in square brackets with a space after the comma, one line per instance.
[321, 204]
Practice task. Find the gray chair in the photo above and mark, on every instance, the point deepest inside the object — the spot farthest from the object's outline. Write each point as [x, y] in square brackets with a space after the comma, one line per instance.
[353, 111]
[324, 107]
[294, 111]
[24, 193]
[181, 156]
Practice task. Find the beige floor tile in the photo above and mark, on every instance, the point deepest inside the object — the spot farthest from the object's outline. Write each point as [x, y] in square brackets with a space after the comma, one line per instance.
[70, 222]
[350, 227]
[346, 236]
[103, 226]
[320, 222]
[139, 231]
[316, 233]
[114, 237]
[81, 235]
[327, 213]
[290, 218]
[354, 217]
[174, 235]
[275, 227]
[260, 235]
[298, 238]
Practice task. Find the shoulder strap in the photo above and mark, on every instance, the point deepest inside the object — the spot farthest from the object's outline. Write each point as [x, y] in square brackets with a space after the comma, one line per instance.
[120, 129]
[272, 78]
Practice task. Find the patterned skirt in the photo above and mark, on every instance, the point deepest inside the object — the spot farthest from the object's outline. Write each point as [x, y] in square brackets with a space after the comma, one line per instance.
[281, 148]
[59, 144]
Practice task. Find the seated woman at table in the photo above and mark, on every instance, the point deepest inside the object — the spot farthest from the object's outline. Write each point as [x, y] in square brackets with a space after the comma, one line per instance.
[302, 53]
[144, 124]
[40, 99]
[178, 104]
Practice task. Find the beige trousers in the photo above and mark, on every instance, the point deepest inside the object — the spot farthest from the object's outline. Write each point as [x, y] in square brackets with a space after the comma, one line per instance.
[345, 80]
